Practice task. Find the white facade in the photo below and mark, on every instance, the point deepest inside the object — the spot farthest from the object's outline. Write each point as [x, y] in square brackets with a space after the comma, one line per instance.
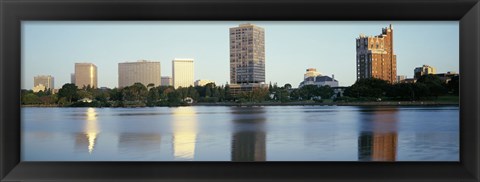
[183, 72]
[203, 82]
[320, 81]
[144, 72]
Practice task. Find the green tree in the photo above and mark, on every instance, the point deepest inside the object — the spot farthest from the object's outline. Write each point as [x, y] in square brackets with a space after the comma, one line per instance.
[434, 84]
[135, 92]
[153, 96]
[454, 85]
[115, 94]
[325, 92]
[69, 91]
[30, 98]
[368, 88]
[287, 86]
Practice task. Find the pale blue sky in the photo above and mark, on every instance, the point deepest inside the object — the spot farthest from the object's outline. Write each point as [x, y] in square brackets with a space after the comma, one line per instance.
[52, 47]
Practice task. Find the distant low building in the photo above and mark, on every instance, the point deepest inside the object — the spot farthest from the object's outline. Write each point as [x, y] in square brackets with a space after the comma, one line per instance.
[320, 80]
[167, 81]
[446, 77]
[203, 82]
[400, 78]
[409, 80]
[424, 70]
[338, 92]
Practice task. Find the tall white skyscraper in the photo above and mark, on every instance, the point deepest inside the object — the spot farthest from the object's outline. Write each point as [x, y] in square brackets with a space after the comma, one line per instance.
[182, 72]
[142, 71]
[85, 74]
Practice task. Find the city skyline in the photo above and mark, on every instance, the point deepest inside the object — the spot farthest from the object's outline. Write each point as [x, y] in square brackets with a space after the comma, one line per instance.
[212, 59]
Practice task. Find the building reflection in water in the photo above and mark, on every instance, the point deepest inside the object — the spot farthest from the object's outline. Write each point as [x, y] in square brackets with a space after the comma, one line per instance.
[145, 142]
[379, 142]
[248, 140]
[184, 133]
[90, 132]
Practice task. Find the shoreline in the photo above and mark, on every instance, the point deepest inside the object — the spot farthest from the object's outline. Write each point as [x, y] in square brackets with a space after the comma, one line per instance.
[382, 103]
[385, 103]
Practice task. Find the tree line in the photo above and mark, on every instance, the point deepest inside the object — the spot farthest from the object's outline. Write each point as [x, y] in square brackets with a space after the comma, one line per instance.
[427, 87]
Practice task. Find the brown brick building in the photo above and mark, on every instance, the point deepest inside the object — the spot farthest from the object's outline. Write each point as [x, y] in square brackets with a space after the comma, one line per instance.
[375, 56]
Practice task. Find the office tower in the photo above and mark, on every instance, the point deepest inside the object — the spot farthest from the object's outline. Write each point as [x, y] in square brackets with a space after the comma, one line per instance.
[247, 54]
[167, 81]
[183, 72]
[375, 56]
[43, 83]
[85, 75]
[203, 82]
[424, 70]
[144, 72]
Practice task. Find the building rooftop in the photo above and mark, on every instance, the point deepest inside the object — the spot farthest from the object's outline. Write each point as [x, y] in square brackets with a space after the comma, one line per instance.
[182, 59]
[324, 79]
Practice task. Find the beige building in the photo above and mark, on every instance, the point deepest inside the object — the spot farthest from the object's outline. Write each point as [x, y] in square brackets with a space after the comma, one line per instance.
[203, 82]
[43, 83]
[247, 54]
[311, 72]
[401, 78]
[85, 74]
[183, 72]
[144, 72]
[167, 81]
[424, 70]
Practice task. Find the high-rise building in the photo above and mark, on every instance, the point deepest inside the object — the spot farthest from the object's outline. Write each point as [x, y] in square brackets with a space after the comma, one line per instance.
[85, 75]
[167, 81]
[375, 56]
[424, 70]
[43, 83]
[183, 72]
[247, 54]
[144, 72]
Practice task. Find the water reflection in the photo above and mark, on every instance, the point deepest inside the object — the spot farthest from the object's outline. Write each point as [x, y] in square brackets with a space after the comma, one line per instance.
[90, 132]
[378, 139]
[248, 139]
[146, 142]
[184, 133]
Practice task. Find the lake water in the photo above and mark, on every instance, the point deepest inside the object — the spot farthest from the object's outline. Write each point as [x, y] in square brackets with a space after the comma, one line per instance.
[270, 133]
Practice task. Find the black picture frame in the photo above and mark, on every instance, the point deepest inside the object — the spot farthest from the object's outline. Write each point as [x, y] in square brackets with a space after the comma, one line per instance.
[12, 12]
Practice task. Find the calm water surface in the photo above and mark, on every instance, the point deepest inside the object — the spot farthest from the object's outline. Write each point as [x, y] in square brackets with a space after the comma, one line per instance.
[270, 133]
